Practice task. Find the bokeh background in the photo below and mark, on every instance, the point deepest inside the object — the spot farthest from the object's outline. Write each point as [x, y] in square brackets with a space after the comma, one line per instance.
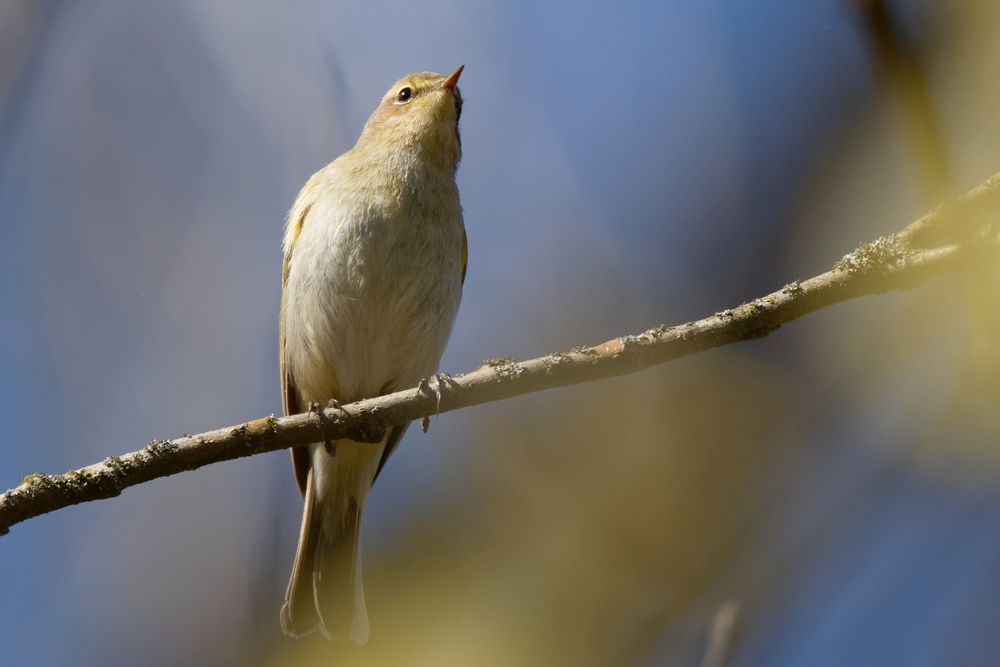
[626, 164]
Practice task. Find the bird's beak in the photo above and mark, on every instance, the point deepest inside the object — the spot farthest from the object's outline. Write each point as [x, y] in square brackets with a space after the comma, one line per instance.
[452, 79]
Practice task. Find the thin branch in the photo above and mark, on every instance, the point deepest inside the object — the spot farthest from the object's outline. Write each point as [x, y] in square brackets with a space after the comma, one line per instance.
[889, 263]
[722, 635]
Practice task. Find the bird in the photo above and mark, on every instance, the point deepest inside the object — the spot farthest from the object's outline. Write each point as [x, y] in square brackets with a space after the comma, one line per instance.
[374, 261]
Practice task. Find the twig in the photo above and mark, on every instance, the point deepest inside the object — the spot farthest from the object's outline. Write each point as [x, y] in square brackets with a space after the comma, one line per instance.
[889, 263]
[722, 635]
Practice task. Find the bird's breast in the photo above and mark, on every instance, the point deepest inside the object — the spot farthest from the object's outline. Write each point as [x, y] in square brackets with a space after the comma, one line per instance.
[373, 290]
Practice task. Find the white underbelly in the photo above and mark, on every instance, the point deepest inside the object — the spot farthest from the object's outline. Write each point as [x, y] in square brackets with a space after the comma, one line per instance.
[370, 309]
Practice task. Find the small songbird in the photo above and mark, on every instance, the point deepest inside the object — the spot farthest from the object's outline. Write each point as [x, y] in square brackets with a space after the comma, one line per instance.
[374, 260]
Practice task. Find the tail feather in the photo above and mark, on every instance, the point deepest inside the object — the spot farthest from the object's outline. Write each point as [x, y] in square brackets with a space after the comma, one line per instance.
[337, 585]
[325, 589]
[298, 614]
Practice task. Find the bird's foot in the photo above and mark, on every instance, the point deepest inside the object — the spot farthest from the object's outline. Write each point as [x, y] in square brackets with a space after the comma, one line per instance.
[434, 385]
[330, 446]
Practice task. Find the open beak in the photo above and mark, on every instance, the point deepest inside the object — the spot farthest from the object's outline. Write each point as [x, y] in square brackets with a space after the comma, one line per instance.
[452, 79]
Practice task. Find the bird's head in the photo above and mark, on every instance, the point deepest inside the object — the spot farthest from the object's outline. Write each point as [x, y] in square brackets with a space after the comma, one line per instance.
[419, 114]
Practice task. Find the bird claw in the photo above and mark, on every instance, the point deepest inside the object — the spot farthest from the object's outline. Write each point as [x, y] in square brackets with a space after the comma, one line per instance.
[441, 380]
[331, 447]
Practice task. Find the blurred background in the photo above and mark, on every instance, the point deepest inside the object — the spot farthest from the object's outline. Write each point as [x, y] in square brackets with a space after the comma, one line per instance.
[626, 164]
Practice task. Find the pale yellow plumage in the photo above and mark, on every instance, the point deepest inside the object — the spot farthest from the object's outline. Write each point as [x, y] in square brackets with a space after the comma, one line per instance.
[374, 259]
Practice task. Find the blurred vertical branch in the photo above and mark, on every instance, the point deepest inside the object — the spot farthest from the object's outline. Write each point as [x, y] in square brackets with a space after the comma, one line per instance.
[21, 24]
[901, 70]
[722, 635]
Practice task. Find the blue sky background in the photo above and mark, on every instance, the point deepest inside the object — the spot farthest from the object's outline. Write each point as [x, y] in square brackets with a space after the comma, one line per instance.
[625, 164]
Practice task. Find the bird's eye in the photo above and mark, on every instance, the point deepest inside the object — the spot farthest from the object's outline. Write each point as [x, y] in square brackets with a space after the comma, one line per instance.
[404, 95]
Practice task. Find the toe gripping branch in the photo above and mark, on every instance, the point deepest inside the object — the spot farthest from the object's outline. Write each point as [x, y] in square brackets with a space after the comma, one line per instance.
[329, 445]
[435, 386]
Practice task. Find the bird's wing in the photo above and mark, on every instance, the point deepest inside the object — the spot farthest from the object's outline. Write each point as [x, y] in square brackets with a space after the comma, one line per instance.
[465, 253]
[395, 435]
[289, 394]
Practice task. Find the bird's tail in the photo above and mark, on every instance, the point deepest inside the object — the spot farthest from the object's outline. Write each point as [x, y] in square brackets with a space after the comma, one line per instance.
[325, 588]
